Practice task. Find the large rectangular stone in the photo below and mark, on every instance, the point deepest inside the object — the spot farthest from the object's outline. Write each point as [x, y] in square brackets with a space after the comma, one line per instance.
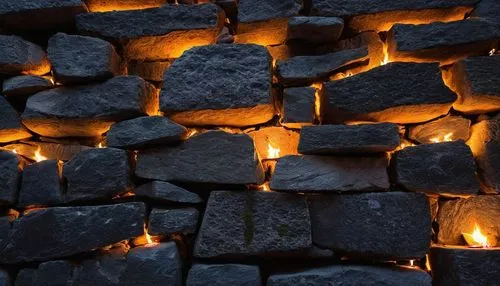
[41, 184]
[63, 231]
[219, 85]
[392, 225]
[10, 177]
[238, 224]
[212, 157]
[309, 173]
[11, 128]
[441, 42]
[89, 110]
[380, 15]
[18, 56]
[156, 33]
[388, 94]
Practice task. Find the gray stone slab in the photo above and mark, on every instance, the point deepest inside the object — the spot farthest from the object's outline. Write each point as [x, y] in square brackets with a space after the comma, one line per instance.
[317, 30]
[298, 106]
[165, 222]
[449, 128]
[25, 85]
[10, 177]
[11, 128]
[224, 275]
[41, 184]
[18, 56]
[164, 191]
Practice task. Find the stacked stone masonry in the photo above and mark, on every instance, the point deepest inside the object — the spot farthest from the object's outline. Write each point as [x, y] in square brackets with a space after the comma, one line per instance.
[270, 142]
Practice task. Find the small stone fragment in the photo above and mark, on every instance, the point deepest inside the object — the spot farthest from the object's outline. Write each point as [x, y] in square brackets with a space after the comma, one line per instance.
[57, 272]
[18, 56]
[346, 139]
[317, 30]
[41, 184]
[449, 128]
[167, 222]
[298, 107]
[164, 191]
[11, 128]
[152, 71]
[25, 85]
[275, 142]
[224, 275]
[10, 177]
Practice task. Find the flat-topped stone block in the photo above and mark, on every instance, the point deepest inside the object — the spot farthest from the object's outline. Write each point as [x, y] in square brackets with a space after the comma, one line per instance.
[165, 222]
[317, 30]
[25, 85]
[18, 56]
[156, 33]
[89, 110]
[164, 191]
[298, 107]
[372, 96]
[224, 275]
[393, 225]
[10, 177]
[219, 85]
[449, 128]
[258, 223]
[11, 128]
[41, 184]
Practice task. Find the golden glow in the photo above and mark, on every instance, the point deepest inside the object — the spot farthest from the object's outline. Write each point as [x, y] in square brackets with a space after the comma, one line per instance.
[272, 152]
[477, 238]
[14, 151]
[412, 263]
[445, 138]
[191, 133]
[427, 263]
[492, 52]
[146, 240]
[38, 156]
[385, 49]
[100, 145]
[264, 187]
[317, 100]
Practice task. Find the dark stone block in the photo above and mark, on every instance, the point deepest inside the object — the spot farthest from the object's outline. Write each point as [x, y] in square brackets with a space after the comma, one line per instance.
[304, 70]
[164, 191]
[152, 71]
[18, 56]
[157, 33]
[144, 131]
[10, 177]
[11, 128]
[445, 168]
[224, 275]
[86, 111]
[372, 96]
[104, 270]
[25, 85]
[79, 59]
[442, 42]
[4, 233]
[449, 128]
[63, 231]
[464, 266]
[353, 275]
[342, 139]
[166, 222]
[257, 223]
[317, 30]
[97, 173]
[298, 106]
[212, 157]
[488, 10]
[391, 225]
[57, 273]
[236, 91]
[330, 174]
[41, 184]
[5, 278]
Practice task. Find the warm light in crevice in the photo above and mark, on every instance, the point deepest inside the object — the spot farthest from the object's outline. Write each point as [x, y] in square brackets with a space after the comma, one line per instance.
[272, 152]
[412, 262]
[191, 133]
[264, 187]
[317, 100]
[146, 240]
[385, 49]
[427, 263]
[14, 151]
[492, 52]
[100, 145]
[38, 156]
[477, 238]
[445, 138]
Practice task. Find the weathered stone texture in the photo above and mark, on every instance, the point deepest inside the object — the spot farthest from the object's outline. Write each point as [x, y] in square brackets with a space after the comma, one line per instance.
[152, 71]
[57, 272]
[4, 235]
[345, 139]
[18, 56]
[144, 131]
[392, 225]
[10, 177]
[445, 168]
[298, 106]
[330, 174]
[157, 33]
[169, 221]
[25, 85]
[219, 85]
[388, 94]
[317, 30]
[80, 59]
[488, 10]
[164, 191]
[86, 111]
[258, 223]
[449, 128]
[11, 128]
[41, 184]
[5, 278]
[63, 231]
[224, 275]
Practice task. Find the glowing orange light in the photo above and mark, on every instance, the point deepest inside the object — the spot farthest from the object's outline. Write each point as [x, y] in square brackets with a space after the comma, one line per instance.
[385, 49]
[264, 187]
[100, 145]
[272, 152]
[427, 263]
[191, 133]
[14, 151]
[446, 138]
[148, 238]
[39, 157]
[477, 238]
[492, 52]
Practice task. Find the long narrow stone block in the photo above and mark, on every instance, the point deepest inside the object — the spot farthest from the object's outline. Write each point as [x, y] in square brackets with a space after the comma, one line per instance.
[317, 30]
[18, 56]
[166, 222]
[330, 174]
[392, 225]
[89, 110]
[298, 107]
[11, 128]
[219, 85]
[388, 94]
[119, 5]
[224, 275]
[25, 85]
[449, 128]
[164, 191]
[10, 177]
[41, 184]
[258, 223]
[156, 33]
[212, 157]
[345, 139]
[63, 231]
[352, 275]
[464, 266]
[441, 42]
[445, 168]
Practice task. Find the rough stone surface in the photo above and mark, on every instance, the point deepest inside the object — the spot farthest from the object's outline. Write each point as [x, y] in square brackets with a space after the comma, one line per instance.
[48, 273]
[152, 71]
[164, 191]
[18, 56]
[449, 128]
[110, 5]
[277, 138]
[25, 85]
[63, 231]
[317, 30]
[5, 278]
[441, 42]
[330, 174]
[211, 157]
[372, 95]
[298, 106]
[11, 128]
[40, 184]
[166, 222]
[157, 33]
[345, 139]
[57, 151]
[10, 177]
[89, 110]
[104, 270]
[445, 168]
[219, 85]
[488, 10]
[258, 223]
[80, 59]
[461, 216]
[477, 82]
[392, 225]
[464, 266]
[224, 275]
[144, 131]
[4, 235]
[97, 173]
[380, 15]
[304, 70]
[353, 275]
